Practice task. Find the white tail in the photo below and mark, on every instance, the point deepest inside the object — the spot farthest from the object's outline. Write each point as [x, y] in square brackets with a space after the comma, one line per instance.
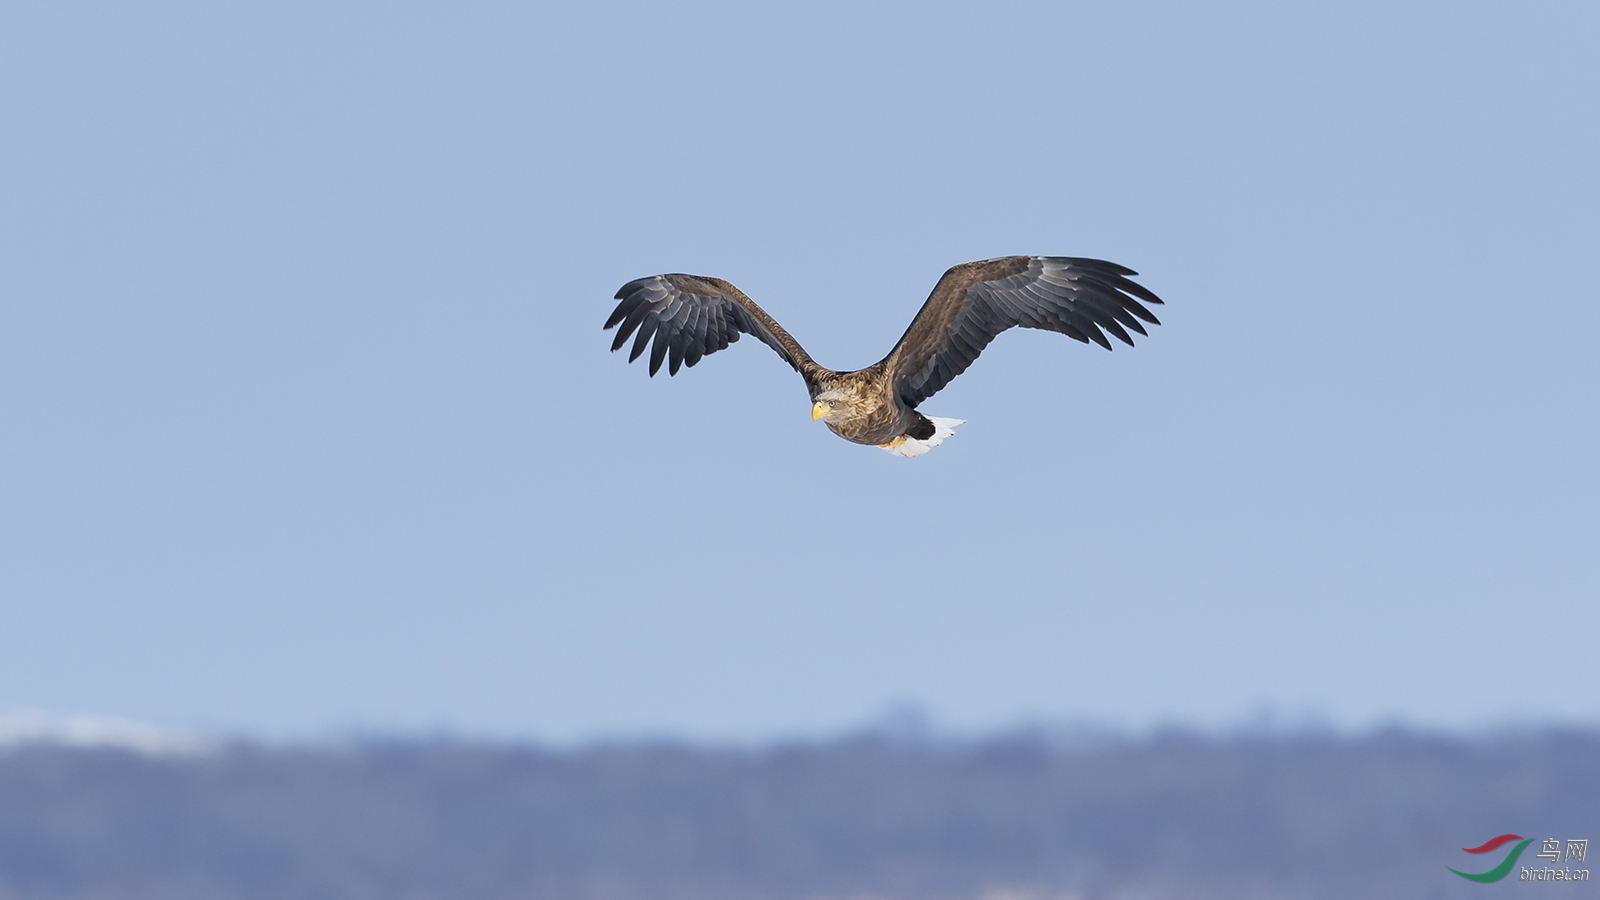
[908, 446]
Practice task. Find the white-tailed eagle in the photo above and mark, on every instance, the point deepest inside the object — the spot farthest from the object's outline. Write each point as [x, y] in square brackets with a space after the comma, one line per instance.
[691, 316]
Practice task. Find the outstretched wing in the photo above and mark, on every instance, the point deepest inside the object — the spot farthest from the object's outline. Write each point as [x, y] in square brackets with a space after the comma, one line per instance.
[976, 301]
[692, 316]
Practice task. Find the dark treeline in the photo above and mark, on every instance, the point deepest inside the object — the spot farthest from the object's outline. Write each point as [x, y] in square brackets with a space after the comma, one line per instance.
[1023, 816]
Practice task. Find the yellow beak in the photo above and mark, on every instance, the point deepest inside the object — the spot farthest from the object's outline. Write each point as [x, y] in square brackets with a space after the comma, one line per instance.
[818, 410]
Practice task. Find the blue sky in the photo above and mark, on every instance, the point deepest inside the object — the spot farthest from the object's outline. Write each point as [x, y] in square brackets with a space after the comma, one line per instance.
[309, 424]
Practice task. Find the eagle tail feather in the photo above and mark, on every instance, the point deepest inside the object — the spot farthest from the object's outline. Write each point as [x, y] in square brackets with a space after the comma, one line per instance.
[907, 446]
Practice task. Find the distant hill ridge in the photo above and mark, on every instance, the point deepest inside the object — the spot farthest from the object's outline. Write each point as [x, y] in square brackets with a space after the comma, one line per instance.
[1171, 815]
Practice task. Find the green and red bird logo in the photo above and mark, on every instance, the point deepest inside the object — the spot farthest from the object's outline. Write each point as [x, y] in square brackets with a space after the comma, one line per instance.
[1494, 843]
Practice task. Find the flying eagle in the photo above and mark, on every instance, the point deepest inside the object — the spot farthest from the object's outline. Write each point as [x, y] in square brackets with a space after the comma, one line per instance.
[692, 316]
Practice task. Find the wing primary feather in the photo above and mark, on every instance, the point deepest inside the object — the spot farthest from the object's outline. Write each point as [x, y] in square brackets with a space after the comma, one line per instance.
[702, 336]
[1128, 294]
[683, 334]
[658, 352]
[1098, 337]
[1084, 263]
[1103, 312]
[642, 341]
[1115, 328]
[617, 315]
[1138, 290]
[617, 343]
[1074, 333]
[1116, 306]
[1124, 291]
[717, 334]
[635, 317]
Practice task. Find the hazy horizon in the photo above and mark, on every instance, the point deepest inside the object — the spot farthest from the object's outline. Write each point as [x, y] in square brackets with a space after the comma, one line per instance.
[1170, 816]
[20, 728]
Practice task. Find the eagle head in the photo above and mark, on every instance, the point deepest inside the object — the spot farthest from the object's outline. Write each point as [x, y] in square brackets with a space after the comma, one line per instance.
[833, 403]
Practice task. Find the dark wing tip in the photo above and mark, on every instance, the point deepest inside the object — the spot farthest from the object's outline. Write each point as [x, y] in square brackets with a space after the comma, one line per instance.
[1097, 265]
[629, 297]
[634, 285]
[682, 318]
